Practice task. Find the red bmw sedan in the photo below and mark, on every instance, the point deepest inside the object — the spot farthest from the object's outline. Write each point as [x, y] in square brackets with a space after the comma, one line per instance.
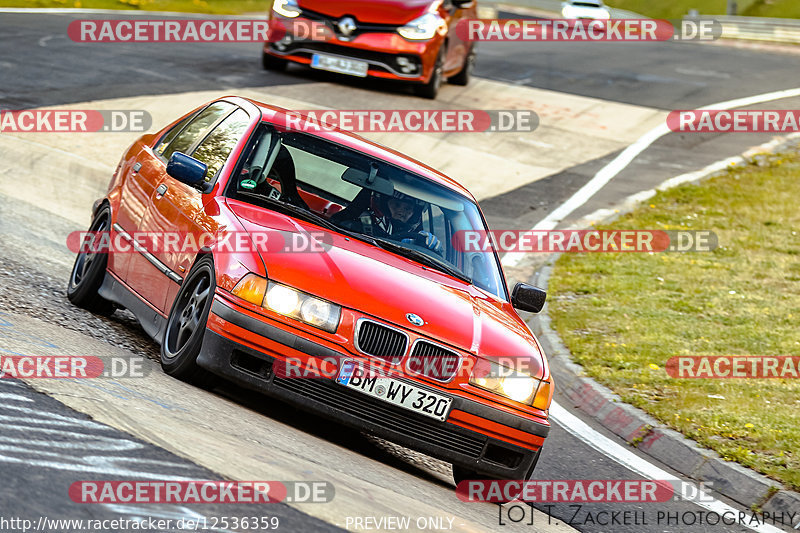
[322, 269]
[407, 40]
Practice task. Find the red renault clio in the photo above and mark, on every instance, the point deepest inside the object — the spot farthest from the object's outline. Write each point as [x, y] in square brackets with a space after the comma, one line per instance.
[322, 269]
[405, 40]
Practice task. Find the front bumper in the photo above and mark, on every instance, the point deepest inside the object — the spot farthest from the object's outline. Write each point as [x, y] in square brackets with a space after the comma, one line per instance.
[381, 50]
[449, 441]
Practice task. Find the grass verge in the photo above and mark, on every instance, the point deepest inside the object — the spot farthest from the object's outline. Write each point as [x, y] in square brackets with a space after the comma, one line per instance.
[624, 315]
[213, 7]
[678, 8]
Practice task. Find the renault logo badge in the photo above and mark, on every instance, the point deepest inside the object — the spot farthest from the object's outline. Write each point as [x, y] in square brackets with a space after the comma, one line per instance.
[347, 26]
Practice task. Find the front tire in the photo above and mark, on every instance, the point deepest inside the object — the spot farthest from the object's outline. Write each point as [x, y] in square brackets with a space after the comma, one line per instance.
[463, 474]
[430, 90]
[270, 62]
[89, 270]
[186, 325]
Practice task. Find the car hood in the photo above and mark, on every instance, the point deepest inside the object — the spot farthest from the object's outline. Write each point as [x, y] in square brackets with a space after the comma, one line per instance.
[375, 282]
[396, 12]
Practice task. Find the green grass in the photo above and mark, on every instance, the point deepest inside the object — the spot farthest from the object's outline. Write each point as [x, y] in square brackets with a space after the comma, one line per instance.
[678, 8]
[216, 7]
[663, 10]
[624, 315]
[774, 8]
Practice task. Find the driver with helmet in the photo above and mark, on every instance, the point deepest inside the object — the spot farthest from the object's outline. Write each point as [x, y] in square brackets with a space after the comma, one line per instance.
[398, 217]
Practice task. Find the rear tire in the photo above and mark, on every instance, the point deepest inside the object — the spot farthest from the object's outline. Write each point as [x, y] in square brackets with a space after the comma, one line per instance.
[186, 326]
[465, 74]
[89, 271]
[270, 62]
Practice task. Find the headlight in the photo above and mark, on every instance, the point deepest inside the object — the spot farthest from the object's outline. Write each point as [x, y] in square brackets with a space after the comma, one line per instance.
[301, 306]
[287, 8]
[282, 299]
[506, 382]
[290, 302]
[422, 28]
[567, 12]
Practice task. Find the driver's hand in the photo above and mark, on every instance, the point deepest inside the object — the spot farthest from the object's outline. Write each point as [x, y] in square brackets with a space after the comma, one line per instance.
[428, 240]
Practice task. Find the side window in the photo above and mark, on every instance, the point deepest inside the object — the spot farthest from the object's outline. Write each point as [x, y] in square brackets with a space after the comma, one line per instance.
[321, 174]
[167, 138]
[215, 149]
[197, 128]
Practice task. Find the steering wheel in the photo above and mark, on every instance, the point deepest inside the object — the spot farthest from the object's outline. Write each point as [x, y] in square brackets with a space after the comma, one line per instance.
[419, 239]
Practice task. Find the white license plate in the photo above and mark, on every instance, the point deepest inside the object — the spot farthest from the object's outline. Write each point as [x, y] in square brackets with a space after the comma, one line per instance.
[394, 391]
[342, 65]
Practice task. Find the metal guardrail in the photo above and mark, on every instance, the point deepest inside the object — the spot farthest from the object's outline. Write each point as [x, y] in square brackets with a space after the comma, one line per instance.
[760, 29]
[774, 30]
[554, 7]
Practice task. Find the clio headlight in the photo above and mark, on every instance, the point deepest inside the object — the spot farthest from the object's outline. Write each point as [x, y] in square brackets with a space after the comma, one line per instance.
[287, 8]
[422, 28]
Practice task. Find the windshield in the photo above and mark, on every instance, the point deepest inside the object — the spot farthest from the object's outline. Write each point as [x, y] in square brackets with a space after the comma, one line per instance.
[353, 193]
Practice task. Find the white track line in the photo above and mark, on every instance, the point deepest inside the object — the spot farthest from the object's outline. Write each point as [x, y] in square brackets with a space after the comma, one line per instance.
[607, 173]
[635, 199]
[580, 430]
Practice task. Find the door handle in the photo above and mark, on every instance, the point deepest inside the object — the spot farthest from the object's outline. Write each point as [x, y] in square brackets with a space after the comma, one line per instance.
[136, 167]
[162, 189]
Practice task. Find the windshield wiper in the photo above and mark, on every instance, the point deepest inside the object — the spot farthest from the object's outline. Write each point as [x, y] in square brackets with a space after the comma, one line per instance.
[422, 257]
[307, 215]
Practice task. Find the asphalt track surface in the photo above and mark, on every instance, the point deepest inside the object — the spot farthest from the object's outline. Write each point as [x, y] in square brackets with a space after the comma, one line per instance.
[40, 66]
[46, 448]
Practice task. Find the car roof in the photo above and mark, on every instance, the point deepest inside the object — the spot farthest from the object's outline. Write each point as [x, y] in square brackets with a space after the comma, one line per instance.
[278, 115]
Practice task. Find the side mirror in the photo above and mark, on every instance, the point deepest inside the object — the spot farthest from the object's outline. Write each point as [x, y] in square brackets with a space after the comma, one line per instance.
[528, 298]
[188, 170]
